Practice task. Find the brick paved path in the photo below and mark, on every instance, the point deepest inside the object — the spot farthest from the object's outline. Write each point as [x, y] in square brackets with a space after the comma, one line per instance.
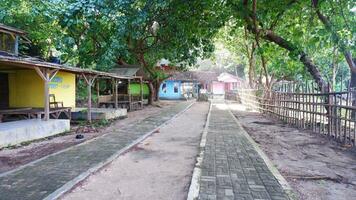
[231, 168]
[40, 179]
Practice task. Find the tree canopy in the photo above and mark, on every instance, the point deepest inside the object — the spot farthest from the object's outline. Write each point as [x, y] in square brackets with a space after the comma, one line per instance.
[274, 40]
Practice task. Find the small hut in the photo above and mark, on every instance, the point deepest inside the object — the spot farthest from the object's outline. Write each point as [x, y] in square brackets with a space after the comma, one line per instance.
[181, 85]
[37, 97]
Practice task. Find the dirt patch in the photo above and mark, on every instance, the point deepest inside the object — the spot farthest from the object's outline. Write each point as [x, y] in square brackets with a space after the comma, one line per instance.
[11, 158]
[160, 167]
[317, 168]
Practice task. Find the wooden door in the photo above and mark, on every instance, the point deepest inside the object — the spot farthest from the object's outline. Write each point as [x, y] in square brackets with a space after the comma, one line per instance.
[4, 91]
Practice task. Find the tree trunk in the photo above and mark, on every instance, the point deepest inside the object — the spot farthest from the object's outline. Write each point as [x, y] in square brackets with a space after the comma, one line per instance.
[141, 59]
[251, 71]
[335, 37]
[353, 94]
[264, 66]
[251, 60]
[303, 57]
[269, 35]
[152, 93]
[158, 85]
[334, 68]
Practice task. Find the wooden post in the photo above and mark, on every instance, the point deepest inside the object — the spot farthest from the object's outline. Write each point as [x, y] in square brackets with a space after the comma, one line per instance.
[115, 84]
[129, 93]
[141, 91]
[46, 97]
[89, 79]
[98, 91]
[46, 75]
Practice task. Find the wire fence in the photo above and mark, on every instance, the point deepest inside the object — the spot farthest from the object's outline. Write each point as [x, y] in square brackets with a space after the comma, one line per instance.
[304, 106]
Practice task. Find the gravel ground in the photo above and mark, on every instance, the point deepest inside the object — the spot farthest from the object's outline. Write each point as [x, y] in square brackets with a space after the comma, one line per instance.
[160, 167]
[14, 157]
[316, 167]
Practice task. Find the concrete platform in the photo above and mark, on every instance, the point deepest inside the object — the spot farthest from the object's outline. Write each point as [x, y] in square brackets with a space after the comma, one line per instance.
[99, 113]
[12, 133]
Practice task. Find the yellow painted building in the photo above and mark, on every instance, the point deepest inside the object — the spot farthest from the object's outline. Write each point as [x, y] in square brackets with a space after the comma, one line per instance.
[26, 88]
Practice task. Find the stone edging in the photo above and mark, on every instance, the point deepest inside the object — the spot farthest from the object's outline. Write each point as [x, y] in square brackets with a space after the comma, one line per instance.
[281, 180]
[194, 187]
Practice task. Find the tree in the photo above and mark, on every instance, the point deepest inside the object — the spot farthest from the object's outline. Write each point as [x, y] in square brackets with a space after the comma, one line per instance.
[140, 32]
[342, 32]
[37, 20]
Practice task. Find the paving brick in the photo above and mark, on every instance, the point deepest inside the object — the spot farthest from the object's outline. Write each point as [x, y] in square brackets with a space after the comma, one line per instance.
[40, 179]
[239, 170]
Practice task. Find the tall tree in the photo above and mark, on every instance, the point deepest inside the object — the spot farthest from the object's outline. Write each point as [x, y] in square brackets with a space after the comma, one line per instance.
[252, 17]
[342, 34]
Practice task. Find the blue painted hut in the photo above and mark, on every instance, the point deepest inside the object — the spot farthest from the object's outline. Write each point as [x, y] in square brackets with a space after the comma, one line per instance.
[179, 86]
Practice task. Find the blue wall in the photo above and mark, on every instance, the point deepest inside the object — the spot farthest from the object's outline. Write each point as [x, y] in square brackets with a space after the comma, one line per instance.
[169, 92]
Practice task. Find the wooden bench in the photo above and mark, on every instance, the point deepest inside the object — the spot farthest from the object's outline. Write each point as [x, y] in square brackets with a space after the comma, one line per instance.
[123, 101]
[53, 103]
[31, 113]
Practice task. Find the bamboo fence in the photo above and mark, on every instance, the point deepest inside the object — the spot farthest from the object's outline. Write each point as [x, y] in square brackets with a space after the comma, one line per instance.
[304, 106]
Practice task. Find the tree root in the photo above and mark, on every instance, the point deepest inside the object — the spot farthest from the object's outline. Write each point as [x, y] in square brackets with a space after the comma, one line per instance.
[338, 179]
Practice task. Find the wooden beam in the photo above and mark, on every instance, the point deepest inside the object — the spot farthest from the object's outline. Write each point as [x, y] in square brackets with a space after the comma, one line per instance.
[46, 94]
[98, 91]
[115, 85]
[53, 73]
[129, 93]
[141, 92]
[45, 74]
[89, 79]
[40, 73]
[89, 103]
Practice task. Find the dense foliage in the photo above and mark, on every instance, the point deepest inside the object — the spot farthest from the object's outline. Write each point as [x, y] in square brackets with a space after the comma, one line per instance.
[274, 40]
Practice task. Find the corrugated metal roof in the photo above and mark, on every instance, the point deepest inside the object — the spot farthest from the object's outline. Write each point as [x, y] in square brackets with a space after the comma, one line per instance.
[11, 29]
[125, 71]
[31, 62]
[201, 76]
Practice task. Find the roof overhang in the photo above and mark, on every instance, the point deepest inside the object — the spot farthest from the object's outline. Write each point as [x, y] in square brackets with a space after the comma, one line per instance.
[32, 64]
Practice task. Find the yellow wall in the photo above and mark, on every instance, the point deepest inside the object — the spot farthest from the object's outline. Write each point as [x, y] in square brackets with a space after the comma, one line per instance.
[63, 87]
[27, 90]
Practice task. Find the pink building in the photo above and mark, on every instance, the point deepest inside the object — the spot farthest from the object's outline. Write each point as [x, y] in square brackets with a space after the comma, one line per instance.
[230, 82]
[217, 84]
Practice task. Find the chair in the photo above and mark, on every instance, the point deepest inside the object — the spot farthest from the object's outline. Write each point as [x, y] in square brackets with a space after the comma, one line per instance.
[53, 103]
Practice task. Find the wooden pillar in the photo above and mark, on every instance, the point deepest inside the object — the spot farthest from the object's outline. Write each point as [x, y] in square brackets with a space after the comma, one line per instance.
[46, 97]
[98, 91]
[46, 75]
[115, 84]
[129, 93]
[89, 79]
[141, 91]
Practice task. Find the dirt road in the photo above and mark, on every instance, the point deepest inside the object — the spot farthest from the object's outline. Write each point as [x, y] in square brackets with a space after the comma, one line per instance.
[316, 167]
[158, 168]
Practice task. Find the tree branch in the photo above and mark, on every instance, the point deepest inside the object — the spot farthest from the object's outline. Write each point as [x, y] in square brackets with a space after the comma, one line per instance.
[328, 26]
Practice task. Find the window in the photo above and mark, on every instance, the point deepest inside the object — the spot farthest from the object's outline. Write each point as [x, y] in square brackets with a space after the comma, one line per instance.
[7, 43]
[175, 87]
[234, 86]
[164, 88]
